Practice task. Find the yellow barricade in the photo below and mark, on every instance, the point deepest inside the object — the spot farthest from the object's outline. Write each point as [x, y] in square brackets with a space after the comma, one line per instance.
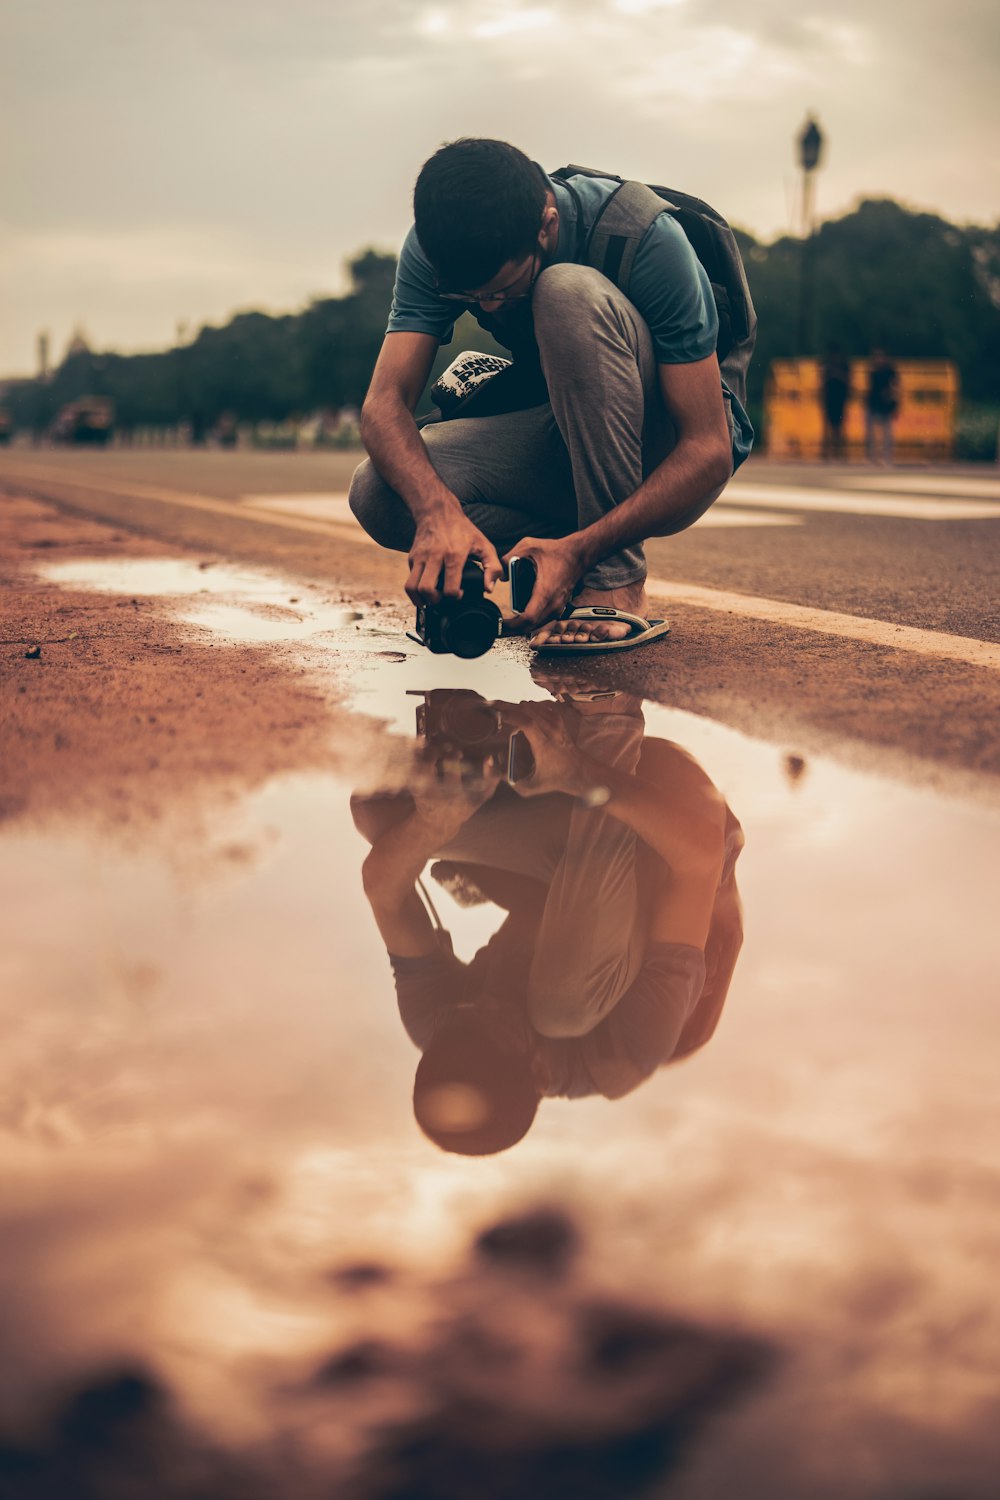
[924, 425]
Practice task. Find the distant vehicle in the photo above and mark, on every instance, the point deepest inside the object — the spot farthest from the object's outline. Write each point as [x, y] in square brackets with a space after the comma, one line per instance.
[91, 419]
[6, 425]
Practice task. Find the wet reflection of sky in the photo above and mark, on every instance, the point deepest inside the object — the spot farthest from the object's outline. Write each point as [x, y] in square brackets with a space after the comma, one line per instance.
[207, 1106]
[240, 604]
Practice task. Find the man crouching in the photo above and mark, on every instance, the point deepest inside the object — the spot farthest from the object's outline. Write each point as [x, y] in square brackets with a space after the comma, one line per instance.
[612, 423]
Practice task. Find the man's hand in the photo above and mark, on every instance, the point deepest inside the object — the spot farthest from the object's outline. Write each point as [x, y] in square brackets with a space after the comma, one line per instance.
[443, 541]
[444, 802]
[558, 564]
[442, 805]
[559, 765]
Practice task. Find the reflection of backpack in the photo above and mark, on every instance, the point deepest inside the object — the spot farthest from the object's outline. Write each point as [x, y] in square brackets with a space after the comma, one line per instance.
[614, 238]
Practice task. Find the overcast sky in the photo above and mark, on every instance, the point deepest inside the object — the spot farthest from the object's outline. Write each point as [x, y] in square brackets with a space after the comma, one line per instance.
[169, 161]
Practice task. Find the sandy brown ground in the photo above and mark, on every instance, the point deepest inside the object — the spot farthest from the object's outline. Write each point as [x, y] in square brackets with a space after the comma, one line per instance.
[112, 710]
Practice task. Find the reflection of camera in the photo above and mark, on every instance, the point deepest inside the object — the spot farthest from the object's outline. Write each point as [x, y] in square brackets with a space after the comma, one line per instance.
[465, 732]
[462, 627]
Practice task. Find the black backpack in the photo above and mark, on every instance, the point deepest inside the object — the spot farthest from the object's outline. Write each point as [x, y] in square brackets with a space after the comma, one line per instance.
[614, 238]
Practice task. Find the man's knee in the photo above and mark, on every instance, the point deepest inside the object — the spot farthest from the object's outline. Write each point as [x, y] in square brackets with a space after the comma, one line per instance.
[571, 1003]
[558, 1016]
[378, 509]
[570, 297]
[366, 491]
[578, 312]
[566, 285]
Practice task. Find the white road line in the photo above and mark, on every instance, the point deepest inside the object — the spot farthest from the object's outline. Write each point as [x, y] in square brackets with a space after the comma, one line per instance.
[860, 503]
[722, 514]
[741, 494]
[825, 622]
[828, 622]
[334, 508]
[734, 509]
[231, 509]
[968, 486]
[326, 506]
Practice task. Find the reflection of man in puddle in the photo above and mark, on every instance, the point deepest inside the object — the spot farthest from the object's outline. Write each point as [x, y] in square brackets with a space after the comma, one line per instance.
[614, 861]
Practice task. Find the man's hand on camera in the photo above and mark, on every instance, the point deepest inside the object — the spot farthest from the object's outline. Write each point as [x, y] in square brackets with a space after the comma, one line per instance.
[558, 566]
[559, 765]
[444, 541]
[446, 799]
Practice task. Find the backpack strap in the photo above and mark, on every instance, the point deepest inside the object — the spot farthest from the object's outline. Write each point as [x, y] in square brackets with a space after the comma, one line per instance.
[615, 235]
[619, 229]
[625, 218]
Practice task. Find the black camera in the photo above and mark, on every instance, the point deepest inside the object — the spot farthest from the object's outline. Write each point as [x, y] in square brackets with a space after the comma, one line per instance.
[522, 574]
[462, 627]
[465, 733]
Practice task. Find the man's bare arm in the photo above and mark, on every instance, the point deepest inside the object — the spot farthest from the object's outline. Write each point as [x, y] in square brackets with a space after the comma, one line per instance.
[444, 537]
[389, 874]
[402, 848]
[388, 429]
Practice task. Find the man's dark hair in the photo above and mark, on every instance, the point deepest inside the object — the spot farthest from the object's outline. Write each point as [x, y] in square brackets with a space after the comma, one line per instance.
[477, 204]
[471, 1095]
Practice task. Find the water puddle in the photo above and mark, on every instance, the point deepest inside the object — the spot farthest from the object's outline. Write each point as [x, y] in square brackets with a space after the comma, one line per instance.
[704, 1030]
[167, 577]
[239, 604]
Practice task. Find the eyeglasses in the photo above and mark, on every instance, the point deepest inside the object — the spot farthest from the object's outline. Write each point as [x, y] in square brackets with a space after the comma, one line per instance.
[502, 293]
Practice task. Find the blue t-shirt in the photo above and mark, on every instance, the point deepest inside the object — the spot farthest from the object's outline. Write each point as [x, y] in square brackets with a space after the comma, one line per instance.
[668, 286]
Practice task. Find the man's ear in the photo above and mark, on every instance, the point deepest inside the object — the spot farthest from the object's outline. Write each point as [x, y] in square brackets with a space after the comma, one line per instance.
[550, 219]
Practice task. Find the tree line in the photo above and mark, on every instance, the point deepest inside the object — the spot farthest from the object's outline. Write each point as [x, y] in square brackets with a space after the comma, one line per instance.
[881, 275]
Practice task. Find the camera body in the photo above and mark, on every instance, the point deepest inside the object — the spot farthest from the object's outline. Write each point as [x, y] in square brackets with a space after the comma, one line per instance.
[522, 574]
[464, 732]
[465, 627]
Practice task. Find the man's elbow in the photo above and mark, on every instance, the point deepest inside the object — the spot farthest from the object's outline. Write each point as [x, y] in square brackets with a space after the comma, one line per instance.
[369, 421]
[381, 411]
[718, 463]
[379, 882]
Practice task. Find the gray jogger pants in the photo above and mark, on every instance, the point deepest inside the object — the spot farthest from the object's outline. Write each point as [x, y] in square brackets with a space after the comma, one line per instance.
[592, 933]
[556, 468]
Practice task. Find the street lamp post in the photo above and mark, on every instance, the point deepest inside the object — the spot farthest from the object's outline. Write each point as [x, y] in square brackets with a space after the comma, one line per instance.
[810, 147]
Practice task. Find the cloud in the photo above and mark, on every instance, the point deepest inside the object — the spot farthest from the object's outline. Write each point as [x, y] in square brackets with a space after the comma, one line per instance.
[295, 132]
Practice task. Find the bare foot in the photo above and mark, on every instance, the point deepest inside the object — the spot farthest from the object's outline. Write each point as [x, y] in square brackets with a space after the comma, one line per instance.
[631, 598]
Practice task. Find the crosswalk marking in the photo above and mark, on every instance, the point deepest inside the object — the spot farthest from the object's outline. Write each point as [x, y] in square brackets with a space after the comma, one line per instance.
[735, 508]
[860, 502]
[967, 486]
[334, 508]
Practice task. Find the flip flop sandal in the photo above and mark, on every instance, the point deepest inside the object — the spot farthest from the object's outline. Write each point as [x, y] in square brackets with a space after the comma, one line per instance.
[642, 631]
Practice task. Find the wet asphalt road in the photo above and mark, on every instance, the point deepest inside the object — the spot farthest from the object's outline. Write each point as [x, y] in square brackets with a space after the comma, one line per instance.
[915, 548]
[217, 1170]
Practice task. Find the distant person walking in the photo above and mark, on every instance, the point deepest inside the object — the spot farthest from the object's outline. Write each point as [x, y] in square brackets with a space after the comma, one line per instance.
[836, 389]
[882, 403]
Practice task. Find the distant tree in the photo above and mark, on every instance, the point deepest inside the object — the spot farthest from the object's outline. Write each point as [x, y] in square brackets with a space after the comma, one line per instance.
[373, 274]
[340, 336]
[882, 274]
[252, 366]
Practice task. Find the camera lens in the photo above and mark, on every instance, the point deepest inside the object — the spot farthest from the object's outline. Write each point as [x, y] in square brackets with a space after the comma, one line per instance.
[469, 720]
[471, 632]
